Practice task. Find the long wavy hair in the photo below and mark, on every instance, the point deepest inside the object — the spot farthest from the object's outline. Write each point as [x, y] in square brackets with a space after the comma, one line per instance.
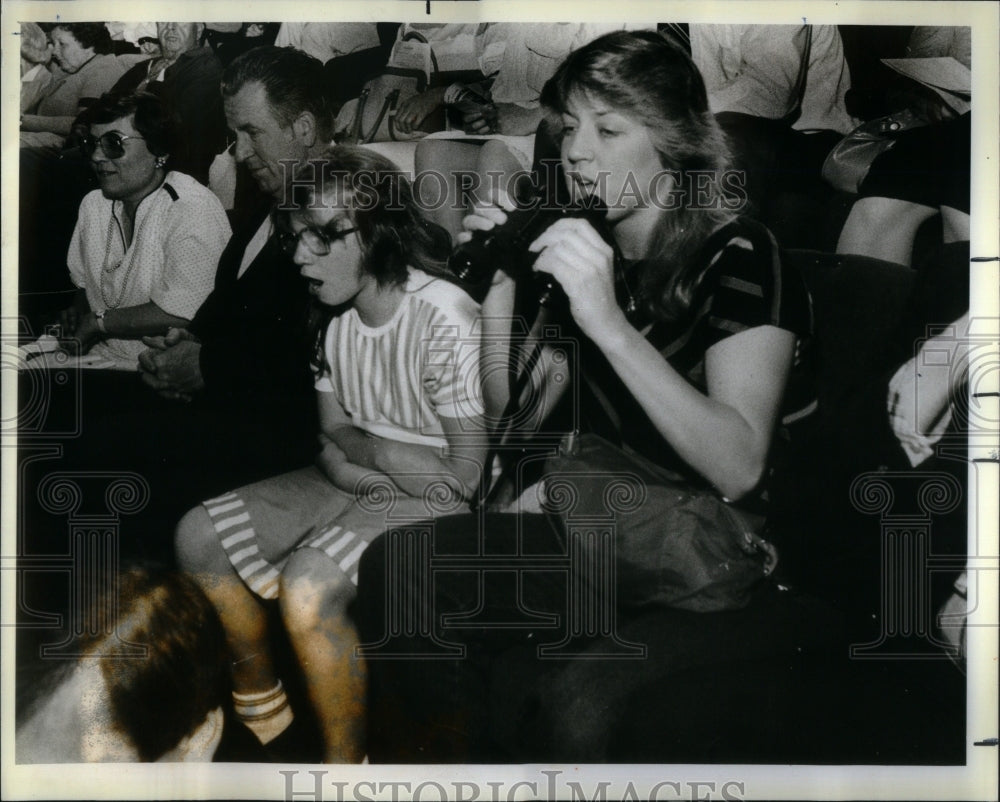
[643, 76]
[379, 199]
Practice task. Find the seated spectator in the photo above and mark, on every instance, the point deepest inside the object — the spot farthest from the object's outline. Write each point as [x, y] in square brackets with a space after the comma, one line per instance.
[519, 58]
[36, 56]
[397, 379]
[778, 92]
[82, 52]
[188, 75]
[110, 705]
[247, 36]
[327, 40]
[131, 33]
[446, 48]
[925, 173]
[705, 398]
[243, 362]
[146, 243]
[796, 73]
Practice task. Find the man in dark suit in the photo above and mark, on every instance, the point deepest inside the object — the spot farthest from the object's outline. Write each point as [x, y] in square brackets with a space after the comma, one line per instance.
[245, 356]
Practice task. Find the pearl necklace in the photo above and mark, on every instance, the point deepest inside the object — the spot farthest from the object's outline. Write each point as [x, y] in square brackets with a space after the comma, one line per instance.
[107, 271]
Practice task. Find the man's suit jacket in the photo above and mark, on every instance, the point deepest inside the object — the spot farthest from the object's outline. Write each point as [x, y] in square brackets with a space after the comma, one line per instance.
[253, 329]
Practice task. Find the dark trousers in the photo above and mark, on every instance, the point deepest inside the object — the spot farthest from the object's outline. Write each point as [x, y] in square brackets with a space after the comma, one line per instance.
[472, 659]
[97, 424]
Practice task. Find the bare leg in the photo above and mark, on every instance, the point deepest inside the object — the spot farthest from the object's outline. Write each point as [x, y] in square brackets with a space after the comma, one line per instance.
[499, 168]
[955, 224]
[883, 228]
[314, 598]
[243, 616]
[449, 160]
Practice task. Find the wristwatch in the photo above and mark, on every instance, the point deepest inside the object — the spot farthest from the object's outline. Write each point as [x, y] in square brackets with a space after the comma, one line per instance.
[99, 316]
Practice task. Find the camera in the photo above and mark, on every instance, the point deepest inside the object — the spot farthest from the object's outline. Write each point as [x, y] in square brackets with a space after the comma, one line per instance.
[505, 247]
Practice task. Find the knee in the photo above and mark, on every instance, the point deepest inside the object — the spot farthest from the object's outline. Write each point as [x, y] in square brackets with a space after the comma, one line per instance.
[883, 228]
[314, 592]
[196, 543]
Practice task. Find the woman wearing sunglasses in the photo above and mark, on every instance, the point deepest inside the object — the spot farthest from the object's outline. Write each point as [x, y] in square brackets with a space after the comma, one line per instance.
[397, 379]
[147, 243]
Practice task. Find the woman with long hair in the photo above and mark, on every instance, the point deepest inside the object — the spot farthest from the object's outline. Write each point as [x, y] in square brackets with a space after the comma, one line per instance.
[689, 328]
[680, 266]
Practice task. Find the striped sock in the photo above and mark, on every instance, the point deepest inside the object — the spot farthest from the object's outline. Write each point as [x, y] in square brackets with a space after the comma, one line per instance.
[267, 714]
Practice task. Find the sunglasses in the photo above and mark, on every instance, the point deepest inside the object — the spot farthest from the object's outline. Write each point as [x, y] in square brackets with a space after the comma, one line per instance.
[318, 240]
[112, 144]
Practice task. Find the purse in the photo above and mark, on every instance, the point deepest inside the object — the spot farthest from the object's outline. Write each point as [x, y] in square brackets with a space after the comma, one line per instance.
[847, 165]
[675, 544]
[371, 116]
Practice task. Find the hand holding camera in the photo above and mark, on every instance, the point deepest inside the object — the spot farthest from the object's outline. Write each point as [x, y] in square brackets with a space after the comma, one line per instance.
[504, 239]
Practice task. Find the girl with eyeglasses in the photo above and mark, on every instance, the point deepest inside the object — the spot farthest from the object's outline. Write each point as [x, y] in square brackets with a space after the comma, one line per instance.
[146, 243]
[397, 380]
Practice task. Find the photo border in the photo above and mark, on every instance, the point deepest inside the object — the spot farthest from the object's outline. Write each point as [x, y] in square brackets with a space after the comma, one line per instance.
[976, 780]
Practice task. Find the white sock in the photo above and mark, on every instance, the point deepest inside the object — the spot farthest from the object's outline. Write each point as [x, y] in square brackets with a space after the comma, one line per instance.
[267, 713]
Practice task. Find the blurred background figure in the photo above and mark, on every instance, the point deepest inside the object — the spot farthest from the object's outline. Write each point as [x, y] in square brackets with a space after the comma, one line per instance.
[796, 73]
[126, 37]
[923, 178]
[327, 40]
[83, 53]
[779, 93]
[36, 59]
[187, 74]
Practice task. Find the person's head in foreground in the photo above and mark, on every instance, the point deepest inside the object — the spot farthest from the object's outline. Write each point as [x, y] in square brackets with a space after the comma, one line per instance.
[148, 685]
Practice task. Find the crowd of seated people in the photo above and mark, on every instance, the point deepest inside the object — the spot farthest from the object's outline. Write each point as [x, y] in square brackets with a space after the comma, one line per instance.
[265, 329]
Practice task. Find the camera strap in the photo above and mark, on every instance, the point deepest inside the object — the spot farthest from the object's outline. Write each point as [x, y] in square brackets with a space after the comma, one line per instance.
[488, 487]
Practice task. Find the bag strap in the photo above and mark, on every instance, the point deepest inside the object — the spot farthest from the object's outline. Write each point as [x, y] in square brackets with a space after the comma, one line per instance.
[359, 114]
[416, 36]
[388, 105]
[800, 81]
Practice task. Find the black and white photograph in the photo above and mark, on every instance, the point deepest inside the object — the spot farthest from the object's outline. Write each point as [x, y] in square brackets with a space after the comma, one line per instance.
[448, 400]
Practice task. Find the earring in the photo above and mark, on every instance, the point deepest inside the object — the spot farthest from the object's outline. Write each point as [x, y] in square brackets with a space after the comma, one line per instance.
[161, 161]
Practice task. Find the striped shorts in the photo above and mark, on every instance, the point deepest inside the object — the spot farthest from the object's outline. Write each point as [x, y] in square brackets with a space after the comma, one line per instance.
[261, 524]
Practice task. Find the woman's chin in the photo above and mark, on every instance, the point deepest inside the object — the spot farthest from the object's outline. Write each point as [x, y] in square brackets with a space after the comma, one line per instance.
[110, 190]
